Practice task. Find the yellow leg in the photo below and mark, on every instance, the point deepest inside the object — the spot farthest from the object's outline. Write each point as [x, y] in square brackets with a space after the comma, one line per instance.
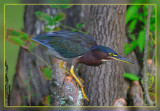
[78, 81]
[61, 66]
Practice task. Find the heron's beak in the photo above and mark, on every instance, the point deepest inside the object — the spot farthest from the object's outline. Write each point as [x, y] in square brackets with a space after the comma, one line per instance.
[118, 57]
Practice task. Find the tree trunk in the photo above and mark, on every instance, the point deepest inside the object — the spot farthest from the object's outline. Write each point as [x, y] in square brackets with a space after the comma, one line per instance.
[28, 66]
[104, 84]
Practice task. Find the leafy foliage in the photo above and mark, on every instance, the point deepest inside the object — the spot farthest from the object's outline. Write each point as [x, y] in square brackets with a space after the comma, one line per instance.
[136, 20]
[45, 17]
[54, 22]
[131, 77]
[47, 72]
[20, 38]
[59, 17]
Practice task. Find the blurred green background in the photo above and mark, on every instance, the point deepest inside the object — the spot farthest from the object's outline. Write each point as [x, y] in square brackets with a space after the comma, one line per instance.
[13, 18]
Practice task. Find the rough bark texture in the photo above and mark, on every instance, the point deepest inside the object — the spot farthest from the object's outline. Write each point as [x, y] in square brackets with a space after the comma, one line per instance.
[104, 84]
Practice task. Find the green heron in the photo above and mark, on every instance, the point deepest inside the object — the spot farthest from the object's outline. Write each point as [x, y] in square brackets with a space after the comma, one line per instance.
[78, 48]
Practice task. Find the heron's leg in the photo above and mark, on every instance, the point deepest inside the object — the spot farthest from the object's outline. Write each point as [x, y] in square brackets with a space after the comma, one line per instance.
[78, 81]
[61, 66]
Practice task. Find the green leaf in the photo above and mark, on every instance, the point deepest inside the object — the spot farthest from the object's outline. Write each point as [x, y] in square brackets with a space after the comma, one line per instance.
[80, 25]
[32, 46]
[45, 17]
[131, 77]
[132, 25]
[65, 6]
[141, 40]
[132, 36]
[24, 36]
[46, 29]
[131, 13]
[17, 40]
[59, 17]
[74, 30]
[15, 33]
[47, 72]
[54, 6]
[130, 47]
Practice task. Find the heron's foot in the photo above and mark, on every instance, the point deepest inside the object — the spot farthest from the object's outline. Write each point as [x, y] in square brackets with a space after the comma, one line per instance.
[65, 70]
[61, 66]
[79, 82]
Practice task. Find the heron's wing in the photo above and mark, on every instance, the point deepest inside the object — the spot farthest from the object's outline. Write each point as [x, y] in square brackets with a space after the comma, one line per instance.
[67, 44]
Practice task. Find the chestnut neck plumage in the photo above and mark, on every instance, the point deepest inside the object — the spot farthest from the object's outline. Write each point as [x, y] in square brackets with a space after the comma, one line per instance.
[92, 58]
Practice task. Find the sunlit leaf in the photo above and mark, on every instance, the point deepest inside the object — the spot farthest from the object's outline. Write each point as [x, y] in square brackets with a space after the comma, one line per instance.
[20, 34]
[47, 72]
[44, 16]
[141, 40]
[131, 77]
[17, 40]
[131, 13]
[24, 36]
[130, 47]
[132, 25]
[59, 17]
[14, 33]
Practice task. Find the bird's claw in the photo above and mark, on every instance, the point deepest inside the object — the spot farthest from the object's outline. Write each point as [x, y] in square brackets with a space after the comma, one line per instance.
[78, 80]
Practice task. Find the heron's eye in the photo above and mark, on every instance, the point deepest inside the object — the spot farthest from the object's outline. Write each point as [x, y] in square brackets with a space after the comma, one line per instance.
[111, 54]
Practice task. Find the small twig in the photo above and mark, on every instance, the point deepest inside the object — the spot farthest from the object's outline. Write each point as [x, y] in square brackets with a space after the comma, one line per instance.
[41, 60]
[71, 28]
[149, 101]
[50, 61]
[152, 39]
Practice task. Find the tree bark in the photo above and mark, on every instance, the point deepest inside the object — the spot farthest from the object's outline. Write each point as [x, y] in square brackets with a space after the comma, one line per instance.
[28, 66]
[104, 84]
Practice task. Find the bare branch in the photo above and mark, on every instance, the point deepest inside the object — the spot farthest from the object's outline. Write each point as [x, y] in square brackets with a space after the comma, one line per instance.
[149, 101]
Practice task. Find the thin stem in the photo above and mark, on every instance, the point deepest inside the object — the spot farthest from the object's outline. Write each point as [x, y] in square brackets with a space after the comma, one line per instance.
[71, 28]
[41, 59]
[148, 99]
